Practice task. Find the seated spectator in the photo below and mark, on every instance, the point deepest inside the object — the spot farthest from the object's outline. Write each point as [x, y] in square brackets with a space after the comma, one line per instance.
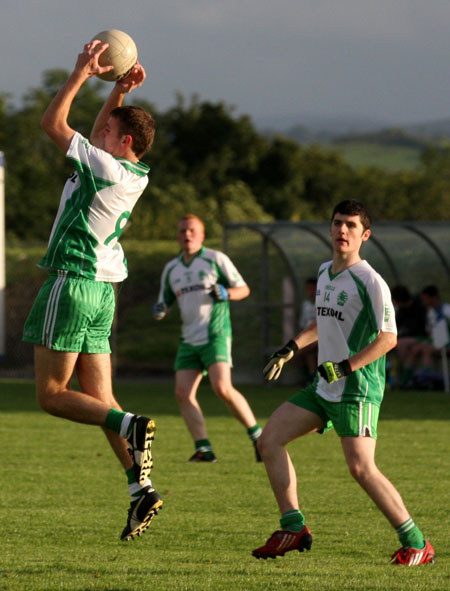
[423, 354]
[410, 315]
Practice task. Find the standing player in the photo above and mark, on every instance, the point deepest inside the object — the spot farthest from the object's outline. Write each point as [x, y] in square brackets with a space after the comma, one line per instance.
[355, 328]
[203, 281]
[71, 319]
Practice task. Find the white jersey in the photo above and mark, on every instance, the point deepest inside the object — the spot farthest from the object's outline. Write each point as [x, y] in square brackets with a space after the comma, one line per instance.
[434, 316]
[440, 335]
[95, 205]
[352, 307]
[191, 285]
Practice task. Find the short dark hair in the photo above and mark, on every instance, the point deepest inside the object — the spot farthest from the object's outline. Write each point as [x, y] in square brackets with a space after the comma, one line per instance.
[135, 121]
[352, 207]
[431, 290]
[400, 293]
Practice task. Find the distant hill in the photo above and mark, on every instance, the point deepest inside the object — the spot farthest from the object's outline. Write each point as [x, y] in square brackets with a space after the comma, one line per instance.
[365, 143]
[388, 137]
[436, 130]
[310, 129]
[319, 126]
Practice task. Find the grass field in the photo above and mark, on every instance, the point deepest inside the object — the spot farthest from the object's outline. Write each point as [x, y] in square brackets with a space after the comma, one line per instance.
[64, 502]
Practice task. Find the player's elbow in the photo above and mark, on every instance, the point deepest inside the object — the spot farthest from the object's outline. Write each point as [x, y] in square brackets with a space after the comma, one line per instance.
[240, 293]
[390, 340]
[47, 124]
[58, 131]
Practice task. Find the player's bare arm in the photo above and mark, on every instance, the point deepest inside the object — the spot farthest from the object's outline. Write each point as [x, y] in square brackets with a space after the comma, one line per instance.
[382, 344]
[115, 99]
[333, 370]
[238, 293]
[306, 337]
[54, 121]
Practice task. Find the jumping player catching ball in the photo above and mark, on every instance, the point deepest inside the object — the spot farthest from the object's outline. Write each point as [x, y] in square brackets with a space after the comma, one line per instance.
[71, 319]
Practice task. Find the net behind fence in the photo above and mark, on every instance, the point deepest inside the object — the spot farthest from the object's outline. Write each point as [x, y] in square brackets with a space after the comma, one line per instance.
[274, 259]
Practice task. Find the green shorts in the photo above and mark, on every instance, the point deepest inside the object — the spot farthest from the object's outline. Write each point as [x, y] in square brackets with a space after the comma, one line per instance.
[349, 419]
[72, 314]
[202, 356]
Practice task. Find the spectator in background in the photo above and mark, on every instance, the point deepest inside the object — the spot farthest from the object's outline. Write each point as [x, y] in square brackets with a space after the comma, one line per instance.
[307, 357]
[423, 353]
[410, 315]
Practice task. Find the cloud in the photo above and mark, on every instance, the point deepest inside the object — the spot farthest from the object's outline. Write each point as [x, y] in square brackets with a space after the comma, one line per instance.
[381, 59]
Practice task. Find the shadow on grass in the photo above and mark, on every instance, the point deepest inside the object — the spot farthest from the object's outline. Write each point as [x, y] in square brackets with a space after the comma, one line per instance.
[157, 398]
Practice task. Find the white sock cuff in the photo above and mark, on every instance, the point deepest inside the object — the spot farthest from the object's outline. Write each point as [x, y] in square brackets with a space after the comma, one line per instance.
[125, 424]
[135, 487]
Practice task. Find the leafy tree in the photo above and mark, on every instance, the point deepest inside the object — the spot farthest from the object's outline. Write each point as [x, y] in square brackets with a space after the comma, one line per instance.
[211, 147]
[208, 161]
[279, 181]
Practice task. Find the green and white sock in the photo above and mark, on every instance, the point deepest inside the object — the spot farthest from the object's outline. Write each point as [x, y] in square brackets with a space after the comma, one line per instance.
[292, 520]
[254, 432]
[136, 489]
[410, 535]
[118, 421]
[204, 445]
[125, 425]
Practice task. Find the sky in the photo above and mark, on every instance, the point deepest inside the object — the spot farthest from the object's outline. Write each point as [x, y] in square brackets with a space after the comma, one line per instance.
[274, 60]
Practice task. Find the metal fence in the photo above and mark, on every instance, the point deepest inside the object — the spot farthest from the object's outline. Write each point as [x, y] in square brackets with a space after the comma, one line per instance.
[274, 258]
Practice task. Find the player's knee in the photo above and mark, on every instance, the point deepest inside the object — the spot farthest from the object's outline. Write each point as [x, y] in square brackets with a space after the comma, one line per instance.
[181, 394]
[266, 443]
[47, 400]
[360, 471]
[223, 391]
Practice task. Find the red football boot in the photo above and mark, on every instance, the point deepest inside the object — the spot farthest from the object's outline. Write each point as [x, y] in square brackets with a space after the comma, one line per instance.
[284, 541]
[413, 556]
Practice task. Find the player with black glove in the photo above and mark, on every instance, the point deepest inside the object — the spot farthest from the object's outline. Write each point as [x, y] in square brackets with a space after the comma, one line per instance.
[273, 369]
[331, 372]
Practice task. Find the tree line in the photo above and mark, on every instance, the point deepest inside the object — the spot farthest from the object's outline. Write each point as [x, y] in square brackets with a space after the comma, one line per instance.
[209, 161]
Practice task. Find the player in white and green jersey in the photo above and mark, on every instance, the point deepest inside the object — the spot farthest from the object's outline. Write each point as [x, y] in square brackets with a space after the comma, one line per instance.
[352, 307]
[95, 205]
[191, 285]
[203, 281]
[70, 321]
[355, 328]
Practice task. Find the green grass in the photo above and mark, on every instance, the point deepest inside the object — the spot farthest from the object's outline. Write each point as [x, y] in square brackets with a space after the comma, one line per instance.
[64, 501]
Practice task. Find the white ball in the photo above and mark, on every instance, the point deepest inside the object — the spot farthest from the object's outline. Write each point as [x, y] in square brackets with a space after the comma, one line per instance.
[121, 53]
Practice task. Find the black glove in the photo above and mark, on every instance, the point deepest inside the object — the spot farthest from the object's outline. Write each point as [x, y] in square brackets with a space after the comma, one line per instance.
[331, 372]
[273, 369]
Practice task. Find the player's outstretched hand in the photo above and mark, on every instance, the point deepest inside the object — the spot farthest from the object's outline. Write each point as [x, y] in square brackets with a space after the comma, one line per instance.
[219, 293]
[87, 61]
[134, 79]
[331, 372]
[159, 310]
[273, 369]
